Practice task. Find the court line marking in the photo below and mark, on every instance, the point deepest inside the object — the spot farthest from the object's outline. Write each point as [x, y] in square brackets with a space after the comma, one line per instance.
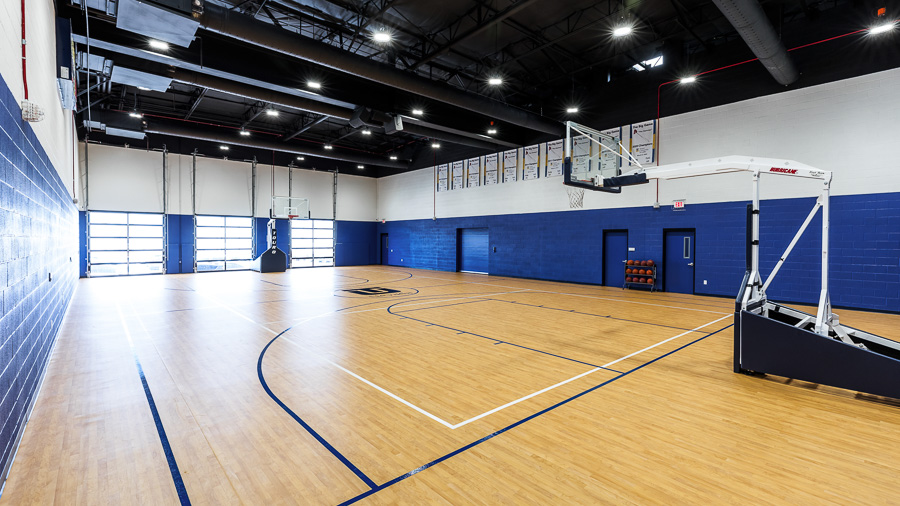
[516, 424]
[529, 396]
[160, 429]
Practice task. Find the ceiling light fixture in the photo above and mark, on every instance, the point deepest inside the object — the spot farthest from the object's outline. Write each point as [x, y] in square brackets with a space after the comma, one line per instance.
[875, 30]
[572, 110]
[367, 132]
[272, 113]
[135, 114]
[435, 145]
[418, 112]
[382, 36]
[622, 31]
[393, 157]
[328, 146]
[301, 158]
[360, 166]
[314, 85]
[158, 44]
[492, 131]
[223, 148]
[245, 133]
[688, 80]
[495, 81]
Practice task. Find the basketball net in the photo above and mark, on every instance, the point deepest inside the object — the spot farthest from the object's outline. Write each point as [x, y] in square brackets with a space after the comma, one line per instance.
[576, 197]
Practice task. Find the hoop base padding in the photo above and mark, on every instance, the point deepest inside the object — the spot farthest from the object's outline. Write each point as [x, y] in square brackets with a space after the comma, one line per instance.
[271, 260]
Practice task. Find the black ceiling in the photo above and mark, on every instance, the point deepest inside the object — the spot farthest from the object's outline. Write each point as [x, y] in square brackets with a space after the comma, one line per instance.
[550, 54]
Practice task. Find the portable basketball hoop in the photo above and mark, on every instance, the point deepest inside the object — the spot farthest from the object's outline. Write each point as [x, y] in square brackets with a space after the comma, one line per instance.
[769, 337]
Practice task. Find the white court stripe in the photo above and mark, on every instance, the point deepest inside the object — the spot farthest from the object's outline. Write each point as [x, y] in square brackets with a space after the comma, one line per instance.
[395, 397]
[585, 374]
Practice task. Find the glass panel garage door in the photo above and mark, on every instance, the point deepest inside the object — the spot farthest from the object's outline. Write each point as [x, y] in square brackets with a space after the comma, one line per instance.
[224, 243]
[312, 243]
[123, 244]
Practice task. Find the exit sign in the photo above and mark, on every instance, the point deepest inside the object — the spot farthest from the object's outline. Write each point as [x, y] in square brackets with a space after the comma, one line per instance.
[679, 205]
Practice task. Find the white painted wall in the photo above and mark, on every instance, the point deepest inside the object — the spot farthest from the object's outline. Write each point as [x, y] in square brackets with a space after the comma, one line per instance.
[56, 132]
[126, 179]
[850, 127]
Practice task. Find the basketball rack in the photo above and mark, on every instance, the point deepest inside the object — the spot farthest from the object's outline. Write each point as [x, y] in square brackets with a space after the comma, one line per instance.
[771, 338]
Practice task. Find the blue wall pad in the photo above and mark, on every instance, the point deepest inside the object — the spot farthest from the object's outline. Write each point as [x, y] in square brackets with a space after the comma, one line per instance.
[567, 246]
[355, 243]
[180, 243]
[39, 265]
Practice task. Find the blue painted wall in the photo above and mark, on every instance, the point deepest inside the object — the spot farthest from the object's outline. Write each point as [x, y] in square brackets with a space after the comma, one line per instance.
[567, 246]
[39, 230]
[180, 238]
[356, 243]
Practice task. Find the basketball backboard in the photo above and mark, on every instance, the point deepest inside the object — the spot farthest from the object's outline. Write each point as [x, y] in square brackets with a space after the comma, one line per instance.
[594, 159]
[291, 208]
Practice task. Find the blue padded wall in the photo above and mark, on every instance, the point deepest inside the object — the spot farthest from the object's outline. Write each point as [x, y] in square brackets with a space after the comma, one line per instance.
[355, 243]
[567, 246]
[180, 243]
[39, 264]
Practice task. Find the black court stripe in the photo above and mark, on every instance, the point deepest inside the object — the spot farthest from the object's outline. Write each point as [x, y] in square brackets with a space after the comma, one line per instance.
[516, 424]
[167, 448]
[262, 380]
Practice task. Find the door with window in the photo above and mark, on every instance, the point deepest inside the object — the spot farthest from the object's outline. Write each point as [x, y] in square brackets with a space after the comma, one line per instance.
[678, 261]
[125, 244]
[224, 243]
[312, 243]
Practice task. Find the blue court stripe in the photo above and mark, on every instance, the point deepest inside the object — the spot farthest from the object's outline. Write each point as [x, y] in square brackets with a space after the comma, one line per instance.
[498, 341]
[299, 420]
[167, 448]
[520, 422]
[597, 315]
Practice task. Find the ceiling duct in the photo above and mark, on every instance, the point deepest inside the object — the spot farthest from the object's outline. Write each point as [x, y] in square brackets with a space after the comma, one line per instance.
[157, 22]
[244, 28]
[751, 23]
[336, 154]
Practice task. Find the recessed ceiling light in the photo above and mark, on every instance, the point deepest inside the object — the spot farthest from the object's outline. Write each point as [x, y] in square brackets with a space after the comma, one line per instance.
[572, 110]
[495, 81]
[366, 132]
[360, 166]
[160, 45]
[382, 36]
[314, 85]
[418, 112]
[272, 112]
[223, 148]
[301, 158]
[143, 89]
[492, 131]
[245, 133]
[881, 28]
[435, 145]
[393, 157]
[328, 146]
[622, 31]
[135, 114]
[688, 80]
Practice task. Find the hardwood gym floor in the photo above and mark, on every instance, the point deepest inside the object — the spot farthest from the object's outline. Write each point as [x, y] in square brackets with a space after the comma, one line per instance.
[336, 384]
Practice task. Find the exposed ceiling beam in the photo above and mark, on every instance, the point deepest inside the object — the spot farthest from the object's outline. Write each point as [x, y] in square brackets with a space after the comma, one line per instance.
[196, 102]
[305, 127]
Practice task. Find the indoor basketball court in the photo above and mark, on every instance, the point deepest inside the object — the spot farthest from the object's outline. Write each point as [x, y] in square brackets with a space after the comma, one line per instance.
[329, 252]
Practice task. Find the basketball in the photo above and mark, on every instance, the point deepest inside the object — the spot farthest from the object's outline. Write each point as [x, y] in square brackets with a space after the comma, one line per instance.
[628, 280]
[641, 272]
[630, 262]
[649, 281]
[644, 263]
[627, 271]
[650, 263]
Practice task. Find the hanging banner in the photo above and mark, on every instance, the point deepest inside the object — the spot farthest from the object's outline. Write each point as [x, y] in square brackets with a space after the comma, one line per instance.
[609, 161]
[510, 165]
[531, 162]
[457, 175]
[555, 154]
[442, 177]
[473, 169]
[643, 136]
[491, 175]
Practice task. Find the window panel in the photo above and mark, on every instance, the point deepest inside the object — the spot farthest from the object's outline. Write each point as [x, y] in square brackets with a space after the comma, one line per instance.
[145, 256]
[240, 265]
[145, 219]
[145, 231]
[238, 243]
[233, 232]
[145, 269]
[210, 244]
[302, 262]
[323, 224]
[323, 243]
[155, 244]
[210, 221]
[238, 254]
[109, 231]
[112, 218]
[210, 266]
[109, 257]
[302, 253]
[302, 243]
[301, 223]
[322, 262]
[237, 221]
[217, 232]
[213, 254]
[100, 244]
[109, 270]
[302, 233]
[312, 243]
[323, 233]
